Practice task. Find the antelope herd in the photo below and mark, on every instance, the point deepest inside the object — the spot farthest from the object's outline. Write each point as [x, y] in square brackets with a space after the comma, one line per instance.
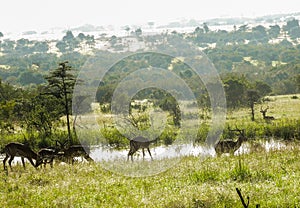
[67, 154]
[44, 155]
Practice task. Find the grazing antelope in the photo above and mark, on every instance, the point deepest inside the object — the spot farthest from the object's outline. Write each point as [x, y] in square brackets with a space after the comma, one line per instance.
[76, 151]
[137, 143]
[14, 149]
[46, 155]
[229, 146]
[264, 112]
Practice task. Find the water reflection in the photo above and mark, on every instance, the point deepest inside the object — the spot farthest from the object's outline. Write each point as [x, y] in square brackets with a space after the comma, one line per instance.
[100, 153]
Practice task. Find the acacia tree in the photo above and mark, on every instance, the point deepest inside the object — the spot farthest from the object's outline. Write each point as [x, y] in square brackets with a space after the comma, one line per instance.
[61, 82]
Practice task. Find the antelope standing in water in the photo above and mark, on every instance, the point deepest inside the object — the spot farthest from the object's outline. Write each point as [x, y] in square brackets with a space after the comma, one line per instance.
[15, 149]
[229, 146]
[137, 143]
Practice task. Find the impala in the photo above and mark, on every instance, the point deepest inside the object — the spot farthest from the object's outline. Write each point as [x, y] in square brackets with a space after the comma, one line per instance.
[229, 146]
[137, 143]
[76, 151]
[46, 155]
[15, 149]
[264, 112]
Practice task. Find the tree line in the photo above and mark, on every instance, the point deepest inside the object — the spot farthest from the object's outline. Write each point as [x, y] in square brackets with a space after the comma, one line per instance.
[35, 93]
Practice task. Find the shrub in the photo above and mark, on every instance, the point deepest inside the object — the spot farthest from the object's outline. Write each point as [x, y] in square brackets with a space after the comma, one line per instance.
[294, 97]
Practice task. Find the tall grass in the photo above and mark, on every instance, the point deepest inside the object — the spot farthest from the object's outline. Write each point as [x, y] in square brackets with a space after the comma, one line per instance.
[269, 179]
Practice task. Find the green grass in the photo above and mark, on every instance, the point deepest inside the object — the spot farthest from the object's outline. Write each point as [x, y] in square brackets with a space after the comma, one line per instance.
[285, 126]
[280, 106]
[269, 179]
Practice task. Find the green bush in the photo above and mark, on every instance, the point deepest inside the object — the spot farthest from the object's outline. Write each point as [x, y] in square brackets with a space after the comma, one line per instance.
[168, 136]
[114, 138]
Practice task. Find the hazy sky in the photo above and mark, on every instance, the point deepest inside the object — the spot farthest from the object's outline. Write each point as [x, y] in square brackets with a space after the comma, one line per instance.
[20, 15]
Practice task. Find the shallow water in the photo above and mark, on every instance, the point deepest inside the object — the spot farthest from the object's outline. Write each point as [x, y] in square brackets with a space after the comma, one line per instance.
[100, 153]
[105, 154]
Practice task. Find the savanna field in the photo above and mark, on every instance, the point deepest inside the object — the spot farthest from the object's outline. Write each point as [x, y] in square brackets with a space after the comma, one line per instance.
[269, 177]
[196, 112]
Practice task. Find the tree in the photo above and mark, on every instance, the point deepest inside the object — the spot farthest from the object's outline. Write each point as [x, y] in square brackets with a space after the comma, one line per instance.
[62, 46]
[259, 33]
[199, 30]
[113, 40]
[90, 40]
[41, 47]
[262, 88]
[169, 104]
[81, 36]
[253, 97]
[260, 29]
[235, 88]
[127, 29]
[8, 97]
[26, 78]
[151, 24]
[61, 82]
[8, 46]
[69, 37]
[70, 41]
[291, 24]
[205, 27]
[294, 32]
[38, 113]
[138, 32]
[243, 28]
[274, 31]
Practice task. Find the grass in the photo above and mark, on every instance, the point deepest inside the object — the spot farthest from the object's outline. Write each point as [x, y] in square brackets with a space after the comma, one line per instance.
[280, 106]
[269, 179]
[286, 125]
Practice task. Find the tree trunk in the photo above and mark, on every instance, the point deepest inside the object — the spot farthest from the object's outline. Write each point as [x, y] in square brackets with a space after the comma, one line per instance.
[252, 111]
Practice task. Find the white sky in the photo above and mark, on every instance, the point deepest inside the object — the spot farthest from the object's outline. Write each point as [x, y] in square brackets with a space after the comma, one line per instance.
[22, 15]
